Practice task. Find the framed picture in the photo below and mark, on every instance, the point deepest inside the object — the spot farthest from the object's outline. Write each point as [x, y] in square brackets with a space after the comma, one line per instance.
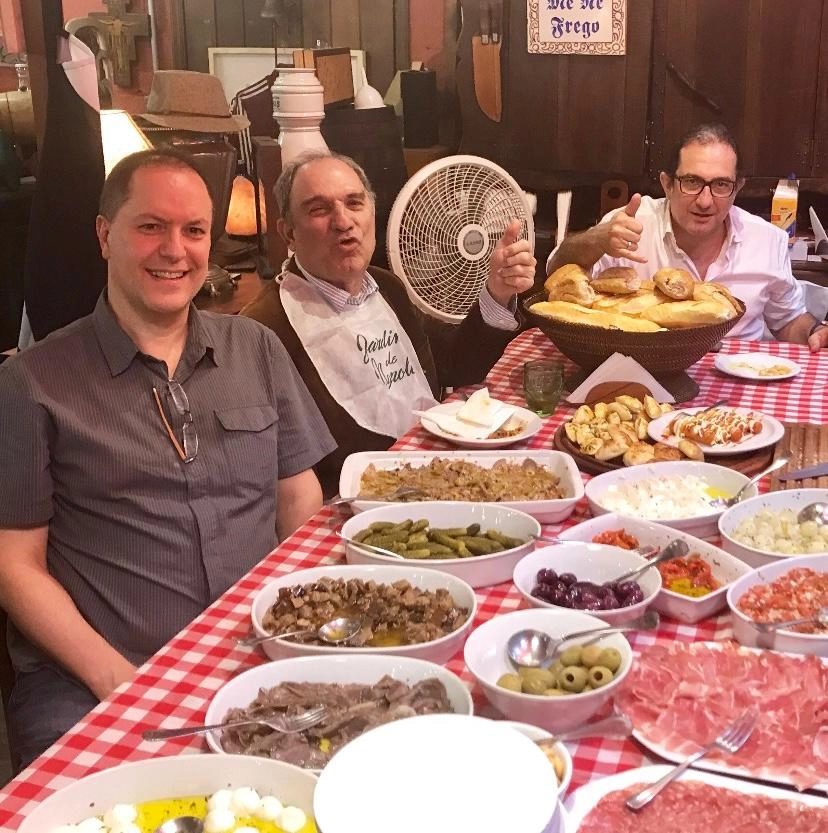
[238, 66]
[577, 27]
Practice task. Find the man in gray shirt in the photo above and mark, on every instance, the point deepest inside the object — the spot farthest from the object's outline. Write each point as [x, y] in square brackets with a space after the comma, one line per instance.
[151, 456]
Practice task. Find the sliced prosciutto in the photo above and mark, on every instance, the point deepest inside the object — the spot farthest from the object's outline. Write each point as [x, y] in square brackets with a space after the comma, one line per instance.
[680, 696]
[694, 807]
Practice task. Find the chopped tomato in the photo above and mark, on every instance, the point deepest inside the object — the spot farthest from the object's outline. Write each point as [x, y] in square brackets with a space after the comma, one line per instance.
[616, 538]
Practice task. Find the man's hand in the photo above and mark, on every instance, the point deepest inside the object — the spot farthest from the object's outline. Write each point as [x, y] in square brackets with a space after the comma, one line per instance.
[622, 232]
[512, 266]
[819, 339]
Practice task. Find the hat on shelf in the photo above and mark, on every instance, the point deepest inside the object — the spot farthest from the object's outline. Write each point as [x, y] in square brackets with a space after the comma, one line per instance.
[185, 100]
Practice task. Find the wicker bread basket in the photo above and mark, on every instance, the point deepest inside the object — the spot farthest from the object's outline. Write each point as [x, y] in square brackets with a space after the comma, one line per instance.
[666, 351]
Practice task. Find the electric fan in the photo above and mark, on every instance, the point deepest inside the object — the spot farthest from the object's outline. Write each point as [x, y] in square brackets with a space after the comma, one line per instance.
[444, 226]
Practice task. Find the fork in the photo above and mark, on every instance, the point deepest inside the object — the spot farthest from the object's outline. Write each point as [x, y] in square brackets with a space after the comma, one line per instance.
[285, 724]
[731, 740]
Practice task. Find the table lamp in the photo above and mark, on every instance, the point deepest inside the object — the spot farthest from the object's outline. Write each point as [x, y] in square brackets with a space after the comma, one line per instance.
[120, 137]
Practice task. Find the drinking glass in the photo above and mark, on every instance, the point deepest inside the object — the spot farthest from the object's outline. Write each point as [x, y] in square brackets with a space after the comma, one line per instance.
[543, 385]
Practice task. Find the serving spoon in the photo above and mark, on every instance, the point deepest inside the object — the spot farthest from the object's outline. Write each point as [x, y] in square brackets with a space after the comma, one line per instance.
[616, 725]
[675, 549]
[529, 648]
[335, 632]
[817, 512]
[390, 497]
[181, 824]
[820, 618]
[726, 503]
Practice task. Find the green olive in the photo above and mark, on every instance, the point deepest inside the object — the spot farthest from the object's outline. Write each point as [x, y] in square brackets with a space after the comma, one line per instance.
[510, 681]
[573, 678]
[590, 655]
[534, 685]
[599, 676]
[554, 692]
[571, 656]
[537, 674]
[610, 658]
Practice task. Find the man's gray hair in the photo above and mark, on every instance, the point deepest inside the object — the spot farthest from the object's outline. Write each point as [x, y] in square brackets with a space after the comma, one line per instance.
[284, 184]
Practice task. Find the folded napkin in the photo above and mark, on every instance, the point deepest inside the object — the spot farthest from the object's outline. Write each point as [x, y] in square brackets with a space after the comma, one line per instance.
[474, 419]
[619, 371]
[820, 237]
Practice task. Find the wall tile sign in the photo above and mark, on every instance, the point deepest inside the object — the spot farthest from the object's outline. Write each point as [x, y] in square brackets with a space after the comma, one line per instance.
[577, 27]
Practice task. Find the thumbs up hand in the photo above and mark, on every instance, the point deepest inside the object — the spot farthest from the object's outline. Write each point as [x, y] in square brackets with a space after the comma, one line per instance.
[512, 265]
[622, 232]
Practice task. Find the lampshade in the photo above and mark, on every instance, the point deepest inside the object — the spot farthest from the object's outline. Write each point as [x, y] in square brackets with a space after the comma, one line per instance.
[120, 137]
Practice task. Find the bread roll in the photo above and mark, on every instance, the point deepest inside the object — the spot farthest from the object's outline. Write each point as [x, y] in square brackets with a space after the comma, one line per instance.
[690, 450]
[675, 283]
[718, 293]
[629, 304]
[617, 280]
[638, 453]
[665, 453]
[575, 314]
[566, 272]
[679, 314]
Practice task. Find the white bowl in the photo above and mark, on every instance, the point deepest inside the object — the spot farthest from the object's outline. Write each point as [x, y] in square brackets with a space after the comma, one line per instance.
[588, 562]
[485, 655]
[546, 511]
[177, 776]
[724, 567]
[241, 690]
[535, 733]
[789, 641]
[396, 778]
[437, 650]
[794, 499]
[724, 481]
[479, 571]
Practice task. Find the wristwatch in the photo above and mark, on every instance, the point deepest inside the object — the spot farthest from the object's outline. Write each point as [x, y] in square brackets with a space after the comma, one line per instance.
[817, 325]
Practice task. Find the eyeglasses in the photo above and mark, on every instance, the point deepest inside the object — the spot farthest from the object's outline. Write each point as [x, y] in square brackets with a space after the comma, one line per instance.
[182, 405]
[693, 185]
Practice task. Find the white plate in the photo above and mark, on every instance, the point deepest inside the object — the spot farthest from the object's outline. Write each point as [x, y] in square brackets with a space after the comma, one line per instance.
[772, 431]
[721, 767]
[583, 800]
[532, 424]
[545, 511]
[748, 365]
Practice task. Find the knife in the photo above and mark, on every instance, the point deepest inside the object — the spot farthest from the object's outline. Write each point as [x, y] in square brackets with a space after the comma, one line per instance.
[820, 470]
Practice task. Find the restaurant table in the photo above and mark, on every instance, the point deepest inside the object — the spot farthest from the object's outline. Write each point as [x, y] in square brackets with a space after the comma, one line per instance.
[175, 686]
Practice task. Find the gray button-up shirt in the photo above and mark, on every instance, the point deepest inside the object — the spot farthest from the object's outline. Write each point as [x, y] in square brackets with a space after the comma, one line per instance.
[142, 541]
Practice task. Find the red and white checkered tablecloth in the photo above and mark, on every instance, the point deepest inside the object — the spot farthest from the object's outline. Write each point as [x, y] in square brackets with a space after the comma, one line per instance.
[175, 686]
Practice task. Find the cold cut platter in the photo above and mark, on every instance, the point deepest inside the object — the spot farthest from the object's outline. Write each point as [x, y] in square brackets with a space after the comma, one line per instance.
[675, 811]
[680, 695]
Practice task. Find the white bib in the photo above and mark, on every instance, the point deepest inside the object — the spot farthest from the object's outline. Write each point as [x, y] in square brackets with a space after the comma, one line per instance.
[363, 356]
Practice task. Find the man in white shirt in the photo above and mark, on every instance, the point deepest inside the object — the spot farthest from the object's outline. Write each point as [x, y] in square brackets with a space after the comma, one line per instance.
[696, 227]
[365, 352]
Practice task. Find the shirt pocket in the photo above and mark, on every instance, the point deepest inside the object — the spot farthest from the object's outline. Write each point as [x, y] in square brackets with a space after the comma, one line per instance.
[249, 444]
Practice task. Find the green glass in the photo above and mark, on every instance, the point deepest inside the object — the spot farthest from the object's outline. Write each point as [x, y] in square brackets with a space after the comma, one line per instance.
[543, 385]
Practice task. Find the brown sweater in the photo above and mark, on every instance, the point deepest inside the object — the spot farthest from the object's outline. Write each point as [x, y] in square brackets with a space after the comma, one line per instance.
[450, 355]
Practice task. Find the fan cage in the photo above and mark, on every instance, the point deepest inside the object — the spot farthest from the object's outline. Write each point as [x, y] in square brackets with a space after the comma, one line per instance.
[439, 218]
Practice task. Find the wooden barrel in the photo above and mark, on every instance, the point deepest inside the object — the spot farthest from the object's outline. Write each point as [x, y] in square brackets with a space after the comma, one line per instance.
[17, 116]
[372, 138]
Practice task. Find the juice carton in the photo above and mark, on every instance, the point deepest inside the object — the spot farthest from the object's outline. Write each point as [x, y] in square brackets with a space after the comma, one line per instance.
[783, 207]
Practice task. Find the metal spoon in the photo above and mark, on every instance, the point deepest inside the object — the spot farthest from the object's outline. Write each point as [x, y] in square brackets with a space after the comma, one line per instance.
[335, 632]
[817, 512]
[675, 549]
[732, 501]
[534, 649]
[371, 547]
[616, 725]
[821, 618]
[181, 824]
[399, 492]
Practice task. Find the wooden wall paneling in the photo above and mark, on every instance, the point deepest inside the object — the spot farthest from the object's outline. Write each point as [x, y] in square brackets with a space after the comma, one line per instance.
[230, 20]
[820, 157]
[376, 23]
[316, 23]
[200, 32]
[402, 36]
[257, 30]
[630, 139]
[289, 23]
[345, 23]
[787, 86]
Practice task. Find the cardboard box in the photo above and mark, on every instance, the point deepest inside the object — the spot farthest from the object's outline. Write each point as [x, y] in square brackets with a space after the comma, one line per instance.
[333, 69]
[783, 206]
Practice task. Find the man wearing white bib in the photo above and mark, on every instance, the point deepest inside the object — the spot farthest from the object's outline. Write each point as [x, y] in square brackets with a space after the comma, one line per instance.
[358, 342]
